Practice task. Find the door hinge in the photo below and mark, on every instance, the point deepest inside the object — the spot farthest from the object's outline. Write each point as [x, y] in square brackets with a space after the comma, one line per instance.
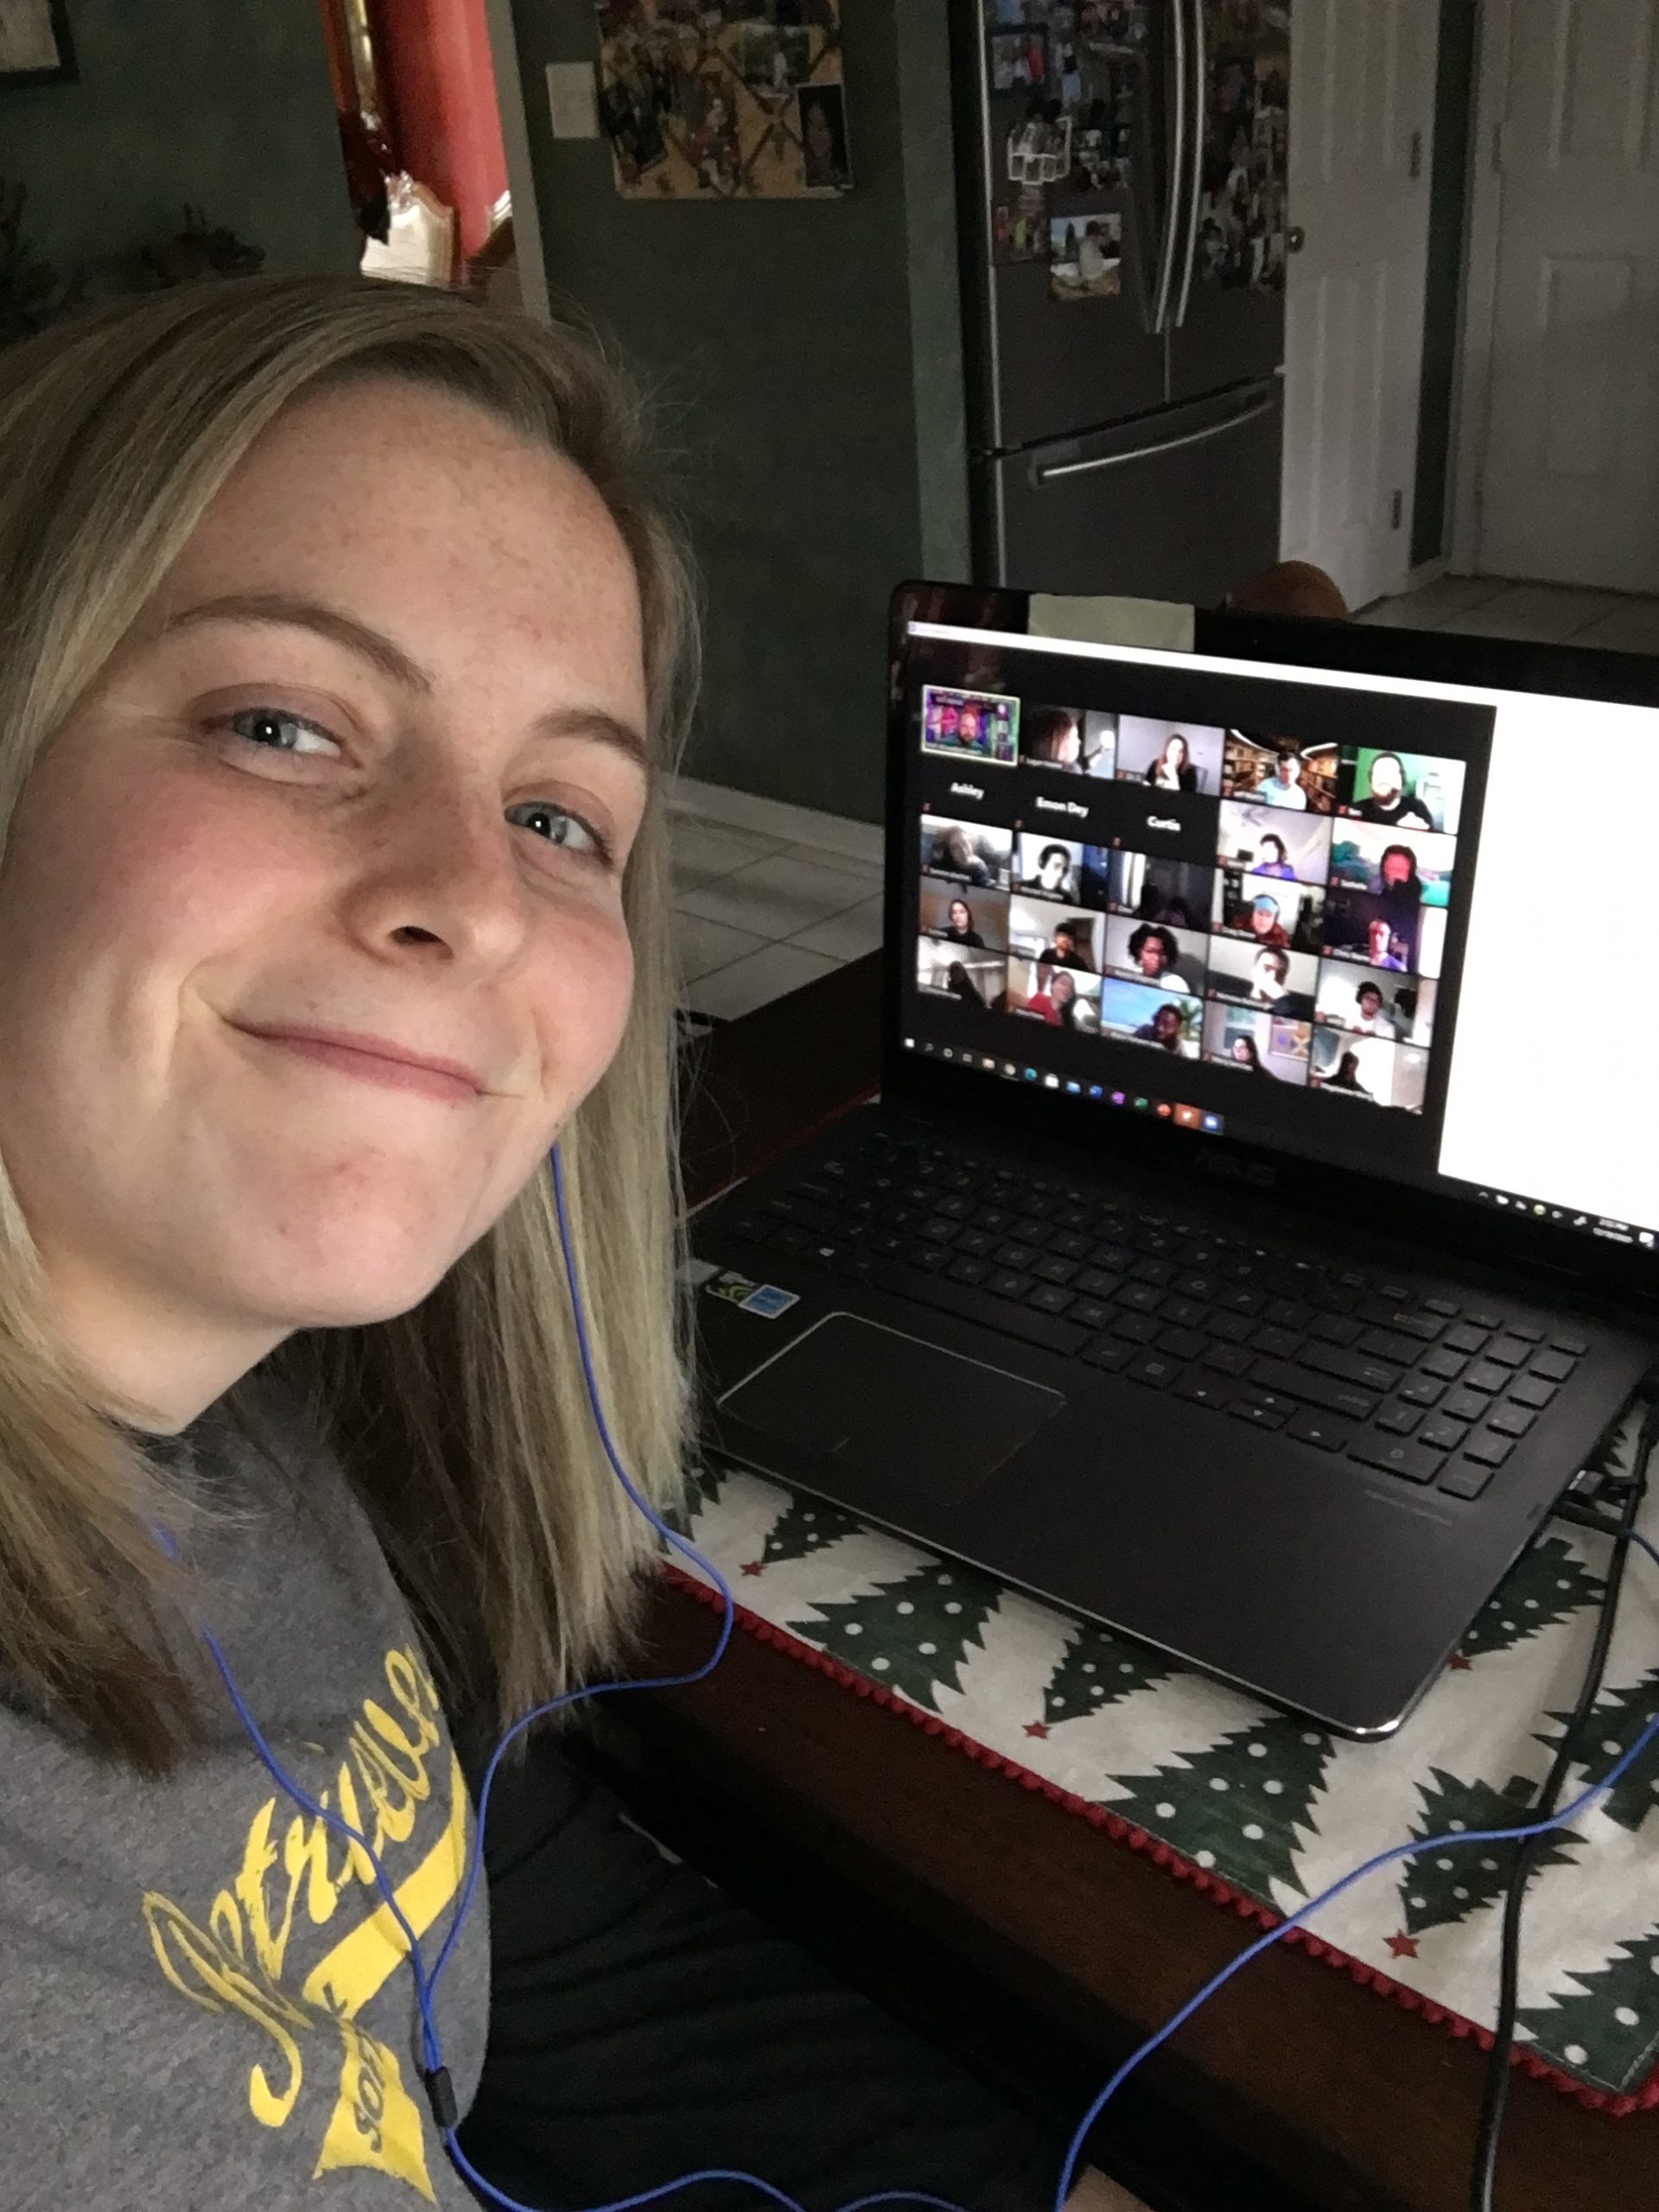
[1396, 510]
[1415, 168]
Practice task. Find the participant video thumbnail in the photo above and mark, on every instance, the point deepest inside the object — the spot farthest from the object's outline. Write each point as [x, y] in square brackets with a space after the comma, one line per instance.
[975, 978]
[1368, 1069]
[1359, 925]
[1038, 930]
[1269, 911]
[1069, 738]
[1142, 1013]
[1169, 756]
[1269, 841]
[1371, 1002]
[1152, 952]
[1049, 867]
[977, 919]
[1401, 789]
[1152, 889]
[980, 726]
[1280, 772]
[1263, 975]
[1403, 867]
[1060, 996]
[970, 852]
[1257, 1044]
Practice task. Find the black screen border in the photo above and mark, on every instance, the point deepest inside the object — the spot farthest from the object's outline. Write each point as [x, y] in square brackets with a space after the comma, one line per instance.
[1437, 1220]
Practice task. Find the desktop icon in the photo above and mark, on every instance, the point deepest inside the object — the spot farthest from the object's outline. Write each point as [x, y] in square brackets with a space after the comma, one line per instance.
[1119, 1099]
[1096, 1090]
[1031, 1075]
[1212, 1123]
[1644, 1236]
[1008, 1068]
[1050, 1082]
[1188, 1117]
[1142, 1104]
[1164, 1110]
[1075, 1089]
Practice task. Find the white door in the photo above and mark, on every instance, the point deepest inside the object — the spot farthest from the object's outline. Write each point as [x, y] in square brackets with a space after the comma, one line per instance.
[1569, 481]
[1362, 112]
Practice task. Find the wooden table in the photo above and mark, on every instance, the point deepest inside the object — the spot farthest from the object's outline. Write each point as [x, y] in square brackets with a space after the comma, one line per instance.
[1344, 2097]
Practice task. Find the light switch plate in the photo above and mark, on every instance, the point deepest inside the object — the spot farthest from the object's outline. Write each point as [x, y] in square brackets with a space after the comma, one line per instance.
[572, 100]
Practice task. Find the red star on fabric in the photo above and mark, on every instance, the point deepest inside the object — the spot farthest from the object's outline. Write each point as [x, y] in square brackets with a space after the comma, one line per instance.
[753, 1566]
[1459, 1665]
[1036, 1727]
[1403, 1947]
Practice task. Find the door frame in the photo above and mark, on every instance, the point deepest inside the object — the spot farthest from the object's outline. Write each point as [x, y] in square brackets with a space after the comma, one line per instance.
[521, 181]
[1472, 377]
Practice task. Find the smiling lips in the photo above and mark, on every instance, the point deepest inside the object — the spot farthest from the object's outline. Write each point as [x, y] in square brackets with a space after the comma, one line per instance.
[376, 1059]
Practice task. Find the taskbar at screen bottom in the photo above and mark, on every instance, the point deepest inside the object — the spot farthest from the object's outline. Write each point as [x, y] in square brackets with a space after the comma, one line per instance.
[1128, 1098]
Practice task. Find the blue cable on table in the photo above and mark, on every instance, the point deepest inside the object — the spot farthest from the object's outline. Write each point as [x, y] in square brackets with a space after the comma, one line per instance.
[440, 2090]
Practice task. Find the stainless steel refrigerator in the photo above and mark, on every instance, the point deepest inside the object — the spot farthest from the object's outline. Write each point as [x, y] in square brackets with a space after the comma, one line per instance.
[1122, 198]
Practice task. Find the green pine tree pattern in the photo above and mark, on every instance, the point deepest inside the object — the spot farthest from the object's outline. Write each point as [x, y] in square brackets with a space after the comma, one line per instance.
[1607, 2025]
[907, 1635]
[1441, 1886]
[1618, 1720]
[1097, 1669]
[1545, 1584]
[809, 1524]
[1244, 1805]
[703, 1483]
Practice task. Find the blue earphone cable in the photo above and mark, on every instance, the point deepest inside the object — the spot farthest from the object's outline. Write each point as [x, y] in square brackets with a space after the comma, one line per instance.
[440, 2091]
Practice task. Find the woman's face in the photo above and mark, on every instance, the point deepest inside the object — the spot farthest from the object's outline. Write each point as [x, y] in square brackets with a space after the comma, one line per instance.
[1396, 867]
[1070, 747]
[1152, 956]
[1175, 752]
[1263, 918]
[960, 917]
[1242, 1051]
[1061, 990]
[353, 772]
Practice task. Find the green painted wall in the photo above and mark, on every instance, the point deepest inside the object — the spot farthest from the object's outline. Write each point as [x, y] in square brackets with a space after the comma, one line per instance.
[804, 359]
[222, 102]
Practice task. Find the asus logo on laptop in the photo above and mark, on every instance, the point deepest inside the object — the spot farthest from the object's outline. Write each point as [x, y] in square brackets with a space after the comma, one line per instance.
[1256, 1172]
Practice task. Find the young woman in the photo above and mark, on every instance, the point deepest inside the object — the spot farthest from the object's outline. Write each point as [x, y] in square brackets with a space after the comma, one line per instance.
[959, 928]
[1172, 770]
[346, 648]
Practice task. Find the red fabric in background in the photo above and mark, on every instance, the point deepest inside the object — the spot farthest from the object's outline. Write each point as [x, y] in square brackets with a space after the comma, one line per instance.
[440, 84]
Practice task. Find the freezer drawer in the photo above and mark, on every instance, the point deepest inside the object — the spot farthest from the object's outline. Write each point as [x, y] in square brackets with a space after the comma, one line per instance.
[1182, 504]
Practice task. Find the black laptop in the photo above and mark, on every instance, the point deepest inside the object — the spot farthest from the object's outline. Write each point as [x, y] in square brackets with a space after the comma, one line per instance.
[1255, 1232]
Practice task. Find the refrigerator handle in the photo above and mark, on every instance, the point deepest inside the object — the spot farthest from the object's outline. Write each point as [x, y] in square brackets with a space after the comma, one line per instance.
[1200, 86]
[1178, 145]
[1164, 445]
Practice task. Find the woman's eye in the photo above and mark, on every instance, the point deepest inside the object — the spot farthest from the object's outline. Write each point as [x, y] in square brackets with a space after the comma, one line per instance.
[556, 825]
[269, 728]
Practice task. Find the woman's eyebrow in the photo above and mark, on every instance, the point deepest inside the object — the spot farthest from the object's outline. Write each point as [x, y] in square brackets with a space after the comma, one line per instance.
[284, 609]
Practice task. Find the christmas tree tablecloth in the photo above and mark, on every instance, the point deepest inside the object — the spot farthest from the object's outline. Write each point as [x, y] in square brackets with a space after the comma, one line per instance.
[1260, 1811]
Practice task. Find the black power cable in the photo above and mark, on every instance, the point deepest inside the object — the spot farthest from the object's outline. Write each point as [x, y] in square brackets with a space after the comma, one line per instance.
[1494, 2094]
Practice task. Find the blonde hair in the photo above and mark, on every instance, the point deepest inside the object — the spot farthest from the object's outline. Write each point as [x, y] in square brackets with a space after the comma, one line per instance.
[463, 1425]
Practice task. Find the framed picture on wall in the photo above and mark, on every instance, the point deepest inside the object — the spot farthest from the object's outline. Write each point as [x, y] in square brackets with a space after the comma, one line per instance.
[35, 47]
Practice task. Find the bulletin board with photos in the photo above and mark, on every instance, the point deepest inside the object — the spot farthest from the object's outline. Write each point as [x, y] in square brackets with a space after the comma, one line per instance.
[724, 100]
[1281, 902]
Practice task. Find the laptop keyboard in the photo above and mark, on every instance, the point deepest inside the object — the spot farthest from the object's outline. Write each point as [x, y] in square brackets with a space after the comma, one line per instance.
[1432, 1389]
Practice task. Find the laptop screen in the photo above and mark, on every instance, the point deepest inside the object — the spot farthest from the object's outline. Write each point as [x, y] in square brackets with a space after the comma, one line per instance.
[1397, 926]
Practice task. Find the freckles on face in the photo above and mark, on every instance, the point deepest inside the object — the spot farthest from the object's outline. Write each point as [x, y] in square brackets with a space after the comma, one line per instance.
[426, 868]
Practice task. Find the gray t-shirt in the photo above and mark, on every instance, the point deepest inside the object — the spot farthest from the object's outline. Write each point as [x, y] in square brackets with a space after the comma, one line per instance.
[205, 2006]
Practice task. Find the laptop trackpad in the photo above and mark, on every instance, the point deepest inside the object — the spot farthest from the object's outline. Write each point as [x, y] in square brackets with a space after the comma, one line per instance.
[871, 1397]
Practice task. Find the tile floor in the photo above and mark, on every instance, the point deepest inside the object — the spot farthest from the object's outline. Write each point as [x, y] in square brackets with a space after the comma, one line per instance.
[768, 897]
[1485, 607]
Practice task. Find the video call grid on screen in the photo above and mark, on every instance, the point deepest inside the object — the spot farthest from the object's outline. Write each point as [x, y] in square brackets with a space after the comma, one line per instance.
[1496, 1110]
[1259, 882]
